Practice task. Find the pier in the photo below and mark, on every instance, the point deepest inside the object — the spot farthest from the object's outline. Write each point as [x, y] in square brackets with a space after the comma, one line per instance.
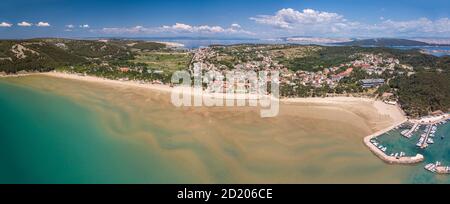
[386, 158]
[410, 132]
[423, 143]
[432, 120]
[438, 168]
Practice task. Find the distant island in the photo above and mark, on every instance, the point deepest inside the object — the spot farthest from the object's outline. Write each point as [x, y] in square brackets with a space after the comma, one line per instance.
[386, 42]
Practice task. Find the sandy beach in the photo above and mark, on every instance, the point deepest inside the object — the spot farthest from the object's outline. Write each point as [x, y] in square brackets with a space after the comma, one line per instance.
[394, 112]
[362, 106]
[170, 44]
[155, 87]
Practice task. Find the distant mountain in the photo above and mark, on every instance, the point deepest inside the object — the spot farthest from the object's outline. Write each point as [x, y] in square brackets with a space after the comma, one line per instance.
[384, 42]
[434, 41]
[173, 38]
[314, 40]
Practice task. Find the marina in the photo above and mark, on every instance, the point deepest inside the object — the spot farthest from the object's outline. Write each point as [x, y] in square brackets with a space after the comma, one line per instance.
[425, 138]
[381, 151]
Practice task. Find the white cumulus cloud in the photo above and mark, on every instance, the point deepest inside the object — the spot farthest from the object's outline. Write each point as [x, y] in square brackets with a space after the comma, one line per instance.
[177, 28]
[235, 25]
[43, 24]
[180, 26]
[313, 22]
[24, 24]
[5, 24]
[289, 18]
[421, 26]
[84, 26]
[205, 29]
[126, 30]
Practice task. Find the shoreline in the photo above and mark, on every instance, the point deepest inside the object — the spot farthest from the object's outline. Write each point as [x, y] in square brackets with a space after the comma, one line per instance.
[154, 87]
[16, 75]
[167, 88]
[394, 112]
[171, 44]
[304, 135]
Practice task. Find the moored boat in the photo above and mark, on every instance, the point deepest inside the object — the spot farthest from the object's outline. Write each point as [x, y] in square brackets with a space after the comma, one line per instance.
[431, 167]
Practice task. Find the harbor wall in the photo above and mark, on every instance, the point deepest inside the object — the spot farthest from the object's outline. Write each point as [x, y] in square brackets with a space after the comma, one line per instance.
[390, 159]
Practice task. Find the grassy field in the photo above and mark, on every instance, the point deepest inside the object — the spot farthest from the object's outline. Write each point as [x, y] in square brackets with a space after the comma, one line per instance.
[166, 61]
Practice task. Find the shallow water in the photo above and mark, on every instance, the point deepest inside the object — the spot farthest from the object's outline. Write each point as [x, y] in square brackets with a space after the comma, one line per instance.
[47, 138]
[65, 131]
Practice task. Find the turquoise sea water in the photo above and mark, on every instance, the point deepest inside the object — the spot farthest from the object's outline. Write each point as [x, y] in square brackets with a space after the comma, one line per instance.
[439, 151]
[45, 138]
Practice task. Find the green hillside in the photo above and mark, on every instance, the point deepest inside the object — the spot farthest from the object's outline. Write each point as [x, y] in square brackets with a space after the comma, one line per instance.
[48, 54]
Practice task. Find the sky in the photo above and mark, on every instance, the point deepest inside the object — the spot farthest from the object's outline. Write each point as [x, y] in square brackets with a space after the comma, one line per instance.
[224, 18]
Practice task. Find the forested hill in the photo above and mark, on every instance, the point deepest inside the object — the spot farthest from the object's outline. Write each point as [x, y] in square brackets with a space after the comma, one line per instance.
[423, 92]
[48, 54]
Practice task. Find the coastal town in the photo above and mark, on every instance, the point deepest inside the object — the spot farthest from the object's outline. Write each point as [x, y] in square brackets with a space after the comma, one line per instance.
[373, 65]
[360, 75]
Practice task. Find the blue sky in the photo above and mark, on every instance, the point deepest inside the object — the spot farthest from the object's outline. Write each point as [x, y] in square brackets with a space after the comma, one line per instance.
[224, 18]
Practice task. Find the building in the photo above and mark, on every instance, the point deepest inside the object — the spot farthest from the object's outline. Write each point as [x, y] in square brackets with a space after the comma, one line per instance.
[338, 77]
[437, 113]
[124, 69]
[370, 83]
